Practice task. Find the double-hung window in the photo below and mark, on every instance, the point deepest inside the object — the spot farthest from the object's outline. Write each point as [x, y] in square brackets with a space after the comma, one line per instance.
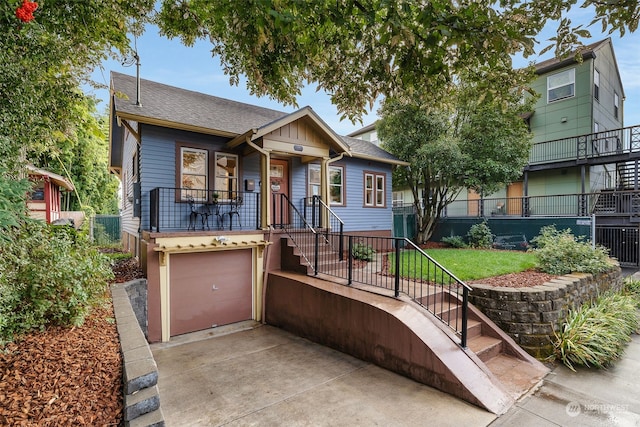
[226, 182]
[561, 85]
[374, 189]
[194, 173]
[336, 183]
[616, 104]
[596, 85]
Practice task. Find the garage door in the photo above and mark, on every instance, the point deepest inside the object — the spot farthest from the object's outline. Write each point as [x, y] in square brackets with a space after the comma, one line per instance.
[210, 289]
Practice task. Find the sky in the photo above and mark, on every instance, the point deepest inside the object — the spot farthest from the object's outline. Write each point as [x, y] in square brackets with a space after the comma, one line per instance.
[193, 68]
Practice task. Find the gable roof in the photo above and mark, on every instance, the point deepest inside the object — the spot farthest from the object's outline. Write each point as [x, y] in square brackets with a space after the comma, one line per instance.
[176, 108]
[587, 52]
[185, 109]
[59, 180]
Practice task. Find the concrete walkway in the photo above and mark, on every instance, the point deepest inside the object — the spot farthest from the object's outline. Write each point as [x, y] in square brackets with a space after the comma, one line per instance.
[249, 374]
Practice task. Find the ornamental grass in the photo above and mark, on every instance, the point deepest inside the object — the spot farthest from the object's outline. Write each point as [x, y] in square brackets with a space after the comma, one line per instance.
[597, 333]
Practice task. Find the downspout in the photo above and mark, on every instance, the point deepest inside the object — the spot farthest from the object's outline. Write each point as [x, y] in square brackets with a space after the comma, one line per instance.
[264, 217]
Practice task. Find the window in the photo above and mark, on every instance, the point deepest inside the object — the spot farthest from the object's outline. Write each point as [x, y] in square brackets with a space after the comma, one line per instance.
[336, 183]
[374, 189]
[226, 174]
[616, 104]
[596, 84]
[561, 85]
[194, 173]
[397, 198]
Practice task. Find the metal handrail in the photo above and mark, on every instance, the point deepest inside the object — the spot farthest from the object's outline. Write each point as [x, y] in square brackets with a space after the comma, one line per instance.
[289, 230]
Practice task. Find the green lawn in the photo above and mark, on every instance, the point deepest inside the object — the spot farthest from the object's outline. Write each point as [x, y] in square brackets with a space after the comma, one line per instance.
[467, 264]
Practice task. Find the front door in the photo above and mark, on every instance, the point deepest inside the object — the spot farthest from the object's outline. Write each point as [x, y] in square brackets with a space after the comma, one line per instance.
[514, 198]
[279, 184]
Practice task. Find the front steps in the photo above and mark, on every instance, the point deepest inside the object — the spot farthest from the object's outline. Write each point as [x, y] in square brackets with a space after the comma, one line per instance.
[510, 370]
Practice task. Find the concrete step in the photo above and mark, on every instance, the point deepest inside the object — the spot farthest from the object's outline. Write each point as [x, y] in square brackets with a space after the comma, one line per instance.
[485, 347]
[516, 375]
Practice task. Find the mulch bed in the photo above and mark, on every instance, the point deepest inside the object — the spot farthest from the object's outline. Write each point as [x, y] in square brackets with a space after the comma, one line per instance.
[66, 376]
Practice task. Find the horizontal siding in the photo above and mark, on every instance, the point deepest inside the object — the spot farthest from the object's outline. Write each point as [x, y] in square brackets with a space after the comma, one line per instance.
[356, 217]
[158, 162]
[130, 224]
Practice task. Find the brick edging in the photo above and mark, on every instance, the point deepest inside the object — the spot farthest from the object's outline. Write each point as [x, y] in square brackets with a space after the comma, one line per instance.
[139, 369]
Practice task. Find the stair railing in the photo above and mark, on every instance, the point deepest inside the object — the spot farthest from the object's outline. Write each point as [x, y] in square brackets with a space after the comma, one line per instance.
[300, 231]
[326, 222]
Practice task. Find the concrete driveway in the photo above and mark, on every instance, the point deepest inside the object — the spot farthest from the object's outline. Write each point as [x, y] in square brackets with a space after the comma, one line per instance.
[252, 374]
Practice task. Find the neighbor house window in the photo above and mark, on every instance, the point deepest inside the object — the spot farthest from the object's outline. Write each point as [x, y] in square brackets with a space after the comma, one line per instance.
[397, 198]
[194, 173]
[336, 183]
[226, 174]
[374, 189]
[616, 104]
[561, 85]
[596, 84]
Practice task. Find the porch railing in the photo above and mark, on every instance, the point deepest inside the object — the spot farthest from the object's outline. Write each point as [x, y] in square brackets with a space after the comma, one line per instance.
[605, 202]
[598, 144]
[177, 209]
[303, 235]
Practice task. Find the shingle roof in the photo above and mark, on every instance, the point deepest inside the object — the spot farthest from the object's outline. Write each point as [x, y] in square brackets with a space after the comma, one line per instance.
[365, 149]
[172, 104]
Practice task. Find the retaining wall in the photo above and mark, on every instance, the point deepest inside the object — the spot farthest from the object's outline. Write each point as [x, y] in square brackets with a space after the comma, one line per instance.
[139, 369]
[531, 315]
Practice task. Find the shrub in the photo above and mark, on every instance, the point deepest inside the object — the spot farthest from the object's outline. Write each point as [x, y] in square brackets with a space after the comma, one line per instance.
[480, 236]
[597, 333]
[631, 287]
[560, 252]
[454, 241]
[48, 277]
[363, 252]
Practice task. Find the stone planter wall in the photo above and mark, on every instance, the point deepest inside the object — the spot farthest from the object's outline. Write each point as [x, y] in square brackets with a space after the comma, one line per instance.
[531, 315]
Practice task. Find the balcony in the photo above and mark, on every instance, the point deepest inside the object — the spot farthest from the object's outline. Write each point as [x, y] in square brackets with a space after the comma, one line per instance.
[185, 209]
[611, 146]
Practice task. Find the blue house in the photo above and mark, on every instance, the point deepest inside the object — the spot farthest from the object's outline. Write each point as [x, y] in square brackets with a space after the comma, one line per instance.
[209, 184]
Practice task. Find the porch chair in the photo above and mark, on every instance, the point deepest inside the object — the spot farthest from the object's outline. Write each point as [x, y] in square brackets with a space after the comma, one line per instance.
[201, 211]
[234, 209]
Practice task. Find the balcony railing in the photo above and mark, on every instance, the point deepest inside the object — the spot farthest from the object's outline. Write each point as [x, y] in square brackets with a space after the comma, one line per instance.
[583, 147]
[184, 209]
[604, 203]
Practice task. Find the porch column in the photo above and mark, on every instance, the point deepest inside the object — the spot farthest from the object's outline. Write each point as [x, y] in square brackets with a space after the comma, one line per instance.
[265, 189]
[324, 190]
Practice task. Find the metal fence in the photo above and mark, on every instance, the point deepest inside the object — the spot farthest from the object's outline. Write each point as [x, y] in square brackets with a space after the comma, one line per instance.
[105, 229]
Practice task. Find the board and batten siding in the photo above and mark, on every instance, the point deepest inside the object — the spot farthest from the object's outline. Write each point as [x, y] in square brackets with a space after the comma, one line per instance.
[354, 214]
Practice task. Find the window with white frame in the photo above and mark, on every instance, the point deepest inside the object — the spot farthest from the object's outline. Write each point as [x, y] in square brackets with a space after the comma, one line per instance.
[374, 189]
[596, 84]
[194, 173]
[561, 85]
[226, 174]
[397, 198]
[336, 183]
[616, 104]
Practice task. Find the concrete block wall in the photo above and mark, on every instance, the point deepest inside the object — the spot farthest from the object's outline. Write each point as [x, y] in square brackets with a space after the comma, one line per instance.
[140, 372]
[137, 292]
[531, 315]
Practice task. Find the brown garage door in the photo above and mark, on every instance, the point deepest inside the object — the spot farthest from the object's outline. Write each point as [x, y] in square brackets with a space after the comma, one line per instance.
[210, 289]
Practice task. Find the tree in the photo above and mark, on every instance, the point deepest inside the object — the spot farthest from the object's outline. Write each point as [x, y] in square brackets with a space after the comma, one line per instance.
[476, 145]
[83, 157]
[358, 50]
[46, 51]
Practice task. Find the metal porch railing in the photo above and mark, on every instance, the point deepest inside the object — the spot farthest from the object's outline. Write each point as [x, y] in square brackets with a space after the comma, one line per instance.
[177, 209]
